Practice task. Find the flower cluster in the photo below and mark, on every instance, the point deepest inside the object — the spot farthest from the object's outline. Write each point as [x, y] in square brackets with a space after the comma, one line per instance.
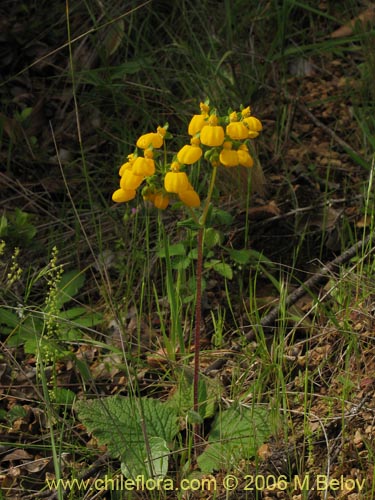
[226, 143]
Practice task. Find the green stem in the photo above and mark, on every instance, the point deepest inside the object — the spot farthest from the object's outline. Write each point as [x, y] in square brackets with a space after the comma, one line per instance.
[209, 196]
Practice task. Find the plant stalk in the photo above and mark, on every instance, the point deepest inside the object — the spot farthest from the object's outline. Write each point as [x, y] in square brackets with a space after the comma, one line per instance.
[197, 334]
[198, 308]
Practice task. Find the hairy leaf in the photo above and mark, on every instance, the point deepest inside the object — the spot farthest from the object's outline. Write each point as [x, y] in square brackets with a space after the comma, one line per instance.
[124, 424]
[236, 434]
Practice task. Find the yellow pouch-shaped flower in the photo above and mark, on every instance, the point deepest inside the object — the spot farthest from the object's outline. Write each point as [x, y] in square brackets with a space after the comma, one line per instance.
[244, 158]
[213, 134]
[254, 125]
[123, 195]
[190, 198]
[143, 166]
[130, 180]
[161, 201]
[237, 131]
[175, 182]
[197, 123]
[228, 157]
[152, 139]
[189, 154]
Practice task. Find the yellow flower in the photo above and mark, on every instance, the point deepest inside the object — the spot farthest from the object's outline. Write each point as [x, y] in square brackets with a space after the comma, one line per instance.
[124, 166]
[143, 166]
[176, 182]
[130, 180]
[153, 139]
[246, 112]
[237, 131]
[205, 108]
[161, 131]
[254, 125]
[190, 154]
[161, 201]
[148, 153]
[197, 123]
[190, 198]
[228, 157]
[213, 134]
[244, 157]
[233, 117]
[122, 195]
[127, 165]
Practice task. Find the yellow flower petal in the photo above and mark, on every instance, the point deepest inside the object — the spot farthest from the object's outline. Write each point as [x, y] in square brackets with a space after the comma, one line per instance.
[161, 201]
[175, 182]
[246, 112]
[254, 125]
[130, 180]
[189, 154]
[190, 198]
[152, 139]
[161, 131]
[144, 166]
[123, 195]
[244, 158]
[197, 123]
[124, 166]
[228, 157]
[205, 108]
[237, 131]
[212, 135]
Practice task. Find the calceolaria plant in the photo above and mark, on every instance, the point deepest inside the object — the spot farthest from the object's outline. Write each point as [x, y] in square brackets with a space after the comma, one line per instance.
[222, 142]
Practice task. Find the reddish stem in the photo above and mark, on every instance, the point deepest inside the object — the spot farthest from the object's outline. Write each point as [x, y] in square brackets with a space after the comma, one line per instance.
[197, 334]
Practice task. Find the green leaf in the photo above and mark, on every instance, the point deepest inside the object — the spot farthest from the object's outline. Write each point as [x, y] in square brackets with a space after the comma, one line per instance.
[181, 263]
[220, 267]
[236, 434]
[3, 226]
[193, 254]
[159, 455]
[209, 393]
[212, 237]
[69, 285]
[189, 223]
[63, 396]
[173, 250]
[122, 423]
[221, 217]
[82, 317]
[28, 328]
[25, 113]
[16, 412]
[240, 256]
[8, 318]
[248, 256]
